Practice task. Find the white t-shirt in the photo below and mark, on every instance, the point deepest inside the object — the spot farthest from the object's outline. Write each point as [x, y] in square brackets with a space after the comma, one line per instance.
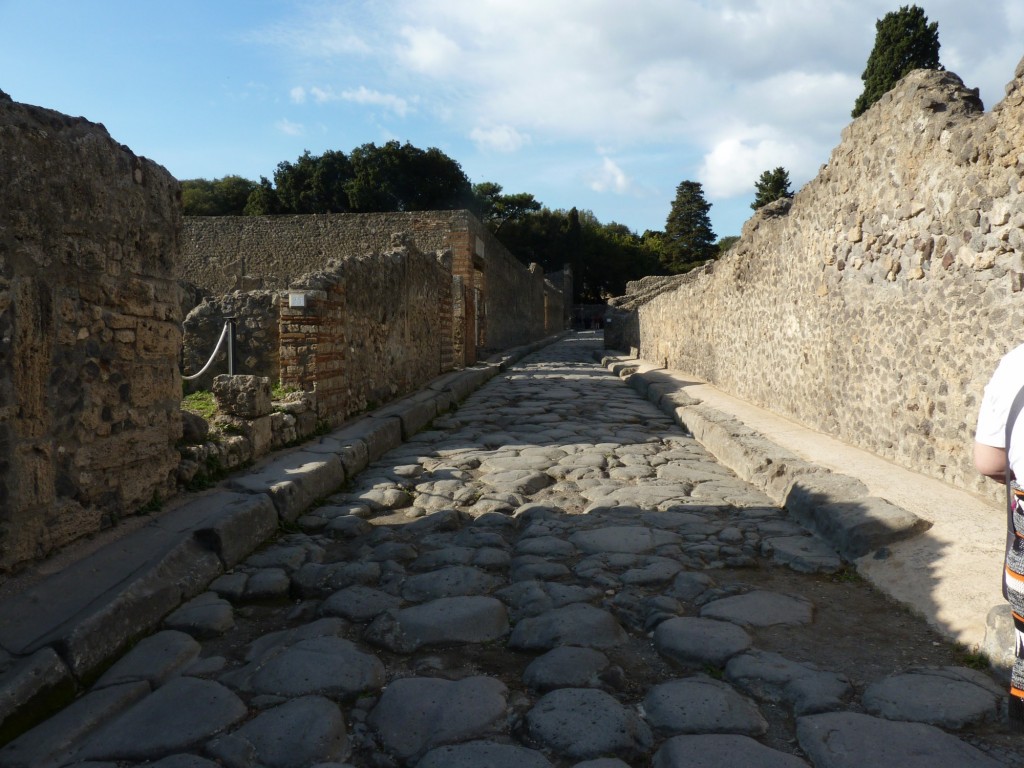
[1000, 391]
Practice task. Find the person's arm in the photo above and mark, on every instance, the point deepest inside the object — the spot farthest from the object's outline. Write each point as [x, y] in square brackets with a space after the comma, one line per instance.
[990, 461]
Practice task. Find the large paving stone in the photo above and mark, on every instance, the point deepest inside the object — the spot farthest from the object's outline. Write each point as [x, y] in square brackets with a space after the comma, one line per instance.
[531, 598]
[586, 723]
[576, 624]
[760, 609]
[700, 704]
[478, 754]
[853, 740]
[448, 620]
[693, 642]
[330, 666]
[453, 581]
[772, 677]
[417, 714]
[721, 751]
[633, 539]
[566, 667]
[950, 697]
[176, 717]
[300, 732]
[155, 659]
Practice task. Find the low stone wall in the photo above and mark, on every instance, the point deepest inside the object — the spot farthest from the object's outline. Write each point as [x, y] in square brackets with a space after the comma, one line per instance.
[89, 331]
[875, 305]
[256, 337]
[371, 329]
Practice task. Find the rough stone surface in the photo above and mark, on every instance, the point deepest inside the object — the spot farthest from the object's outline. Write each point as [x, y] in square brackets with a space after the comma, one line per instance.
[584, 723]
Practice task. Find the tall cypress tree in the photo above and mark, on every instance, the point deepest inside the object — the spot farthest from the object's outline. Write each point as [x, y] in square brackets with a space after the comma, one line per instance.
[904, 41]
[689, 239]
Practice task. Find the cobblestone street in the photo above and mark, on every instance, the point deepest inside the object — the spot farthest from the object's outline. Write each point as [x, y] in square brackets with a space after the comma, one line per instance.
[554, 574]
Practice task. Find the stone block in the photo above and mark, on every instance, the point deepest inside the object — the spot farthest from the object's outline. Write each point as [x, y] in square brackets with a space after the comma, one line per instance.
[293, 481]
[413, 413]
[27, 688]
[247, 397]
[240, 523]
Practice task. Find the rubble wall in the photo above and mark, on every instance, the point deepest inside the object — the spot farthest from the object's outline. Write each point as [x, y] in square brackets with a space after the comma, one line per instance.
[373, 328]
[875, 305]
[89, 331]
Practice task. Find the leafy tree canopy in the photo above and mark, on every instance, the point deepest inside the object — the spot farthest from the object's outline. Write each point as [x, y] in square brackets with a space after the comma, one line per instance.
[221, 197]
[904, 41]
[772, 186]
[401, 177]
[496, 209]
[725, 243]
[689, 239]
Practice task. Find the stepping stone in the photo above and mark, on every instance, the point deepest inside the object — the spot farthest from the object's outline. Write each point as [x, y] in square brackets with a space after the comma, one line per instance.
[760, 609]
[476, 754]
[718, 750]
[176, 717]
[772, 677]
[853, 740]
[417, 714]
[299, 733]
[950, 697]
[693, 642]
[586, 723]
[359, 603]
[330, 666]
[566, 667]
[448, 620]
[700, 704]
[453, 581]
[577, 624]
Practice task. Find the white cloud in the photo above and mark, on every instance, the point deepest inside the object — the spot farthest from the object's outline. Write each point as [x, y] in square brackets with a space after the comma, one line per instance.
[429, 51]
[287, 127]
[360, 95]
[499, 138]
[611, 178]
[298, 94]
[735, 162]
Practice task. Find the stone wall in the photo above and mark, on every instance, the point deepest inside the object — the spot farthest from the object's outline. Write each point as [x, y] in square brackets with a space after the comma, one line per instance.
[223, 254]
[256, 337]
[372, 328]
[875, 305]
[89, 331]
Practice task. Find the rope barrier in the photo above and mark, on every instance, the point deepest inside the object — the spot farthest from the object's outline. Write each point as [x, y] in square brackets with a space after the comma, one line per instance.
[216, 351]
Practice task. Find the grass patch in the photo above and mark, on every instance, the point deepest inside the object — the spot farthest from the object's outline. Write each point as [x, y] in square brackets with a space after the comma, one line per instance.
[202, 403]
[280, 392]
[974, 657]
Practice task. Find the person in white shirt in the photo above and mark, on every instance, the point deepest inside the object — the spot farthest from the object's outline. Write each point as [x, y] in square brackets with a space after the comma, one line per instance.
[1002, 401]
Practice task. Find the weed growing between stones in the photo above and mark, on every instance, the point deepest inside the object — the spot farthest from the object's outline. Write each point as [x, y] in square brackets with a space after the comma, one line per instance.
[971, 656]
[201, 403]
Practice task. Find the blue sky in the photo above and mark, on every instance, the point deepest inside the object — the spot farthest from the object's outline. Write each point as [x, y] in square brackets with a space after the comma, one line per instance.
[601, 104]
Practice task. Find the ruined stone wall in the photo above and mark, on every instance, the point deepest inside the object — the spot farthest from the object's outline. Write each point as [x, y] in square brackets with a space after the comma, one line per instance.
[89, 331]
[256, 337]
[223, 254]
[374, 328]
[876, 304]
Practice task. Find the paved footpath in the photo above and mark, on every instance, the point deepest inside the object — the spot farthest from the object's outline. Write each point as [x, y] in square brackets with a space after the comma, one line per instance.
[555, 574]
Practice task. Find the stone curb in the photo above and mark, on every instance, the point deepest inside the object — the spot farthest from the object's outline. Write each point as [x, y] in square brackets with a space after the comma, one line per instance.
[836, 507]
[59, 635]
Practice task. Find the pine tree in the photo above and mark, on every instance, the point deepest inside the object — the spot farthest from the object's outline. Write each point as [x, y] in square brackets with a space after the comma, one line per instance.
[689, 240]
[904, 41]
[770, 187]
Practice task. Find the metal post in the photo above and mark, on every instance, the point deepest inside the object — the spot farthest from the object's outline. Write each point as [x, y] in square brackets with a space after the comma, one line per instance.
[231, 345]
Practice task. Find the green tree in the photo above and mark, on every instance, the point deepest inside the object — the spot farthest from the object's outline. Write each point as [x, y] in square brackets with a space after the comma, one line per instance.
[904, 41]
[725, 243]
[226, 196]
[263, 201]
[497, 209]
[689, 239]
[401, 177]
[772, 186]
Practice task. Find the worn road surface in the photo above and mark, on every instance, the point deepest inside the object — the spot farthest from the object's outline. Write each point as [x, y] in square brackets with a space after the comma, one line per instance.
[555, 574]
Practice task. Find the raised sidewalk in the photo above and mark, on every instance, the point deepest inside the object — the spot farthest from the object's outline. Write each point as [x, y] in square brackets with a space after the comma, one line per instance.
[932, 547]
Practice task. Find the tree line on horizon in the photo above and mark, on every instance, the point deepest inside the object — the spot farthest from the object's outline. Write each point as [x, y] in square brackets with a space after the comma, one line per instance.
[603, 257]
